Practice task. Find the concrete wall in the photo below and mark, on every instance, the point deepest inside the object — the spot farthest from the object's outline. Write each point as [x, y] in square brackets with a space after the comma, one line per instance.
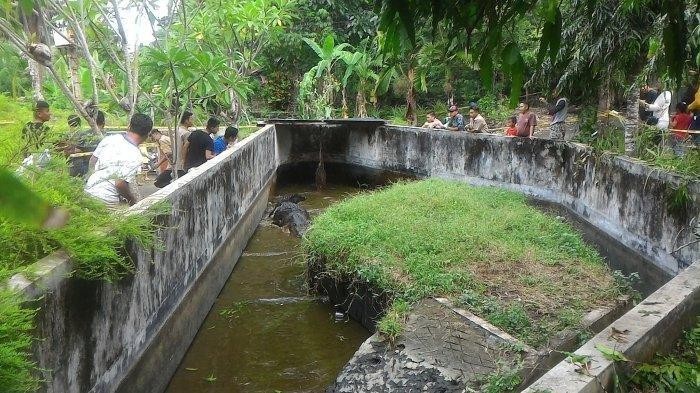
[130, 335]
[625, 198]
[93, 335]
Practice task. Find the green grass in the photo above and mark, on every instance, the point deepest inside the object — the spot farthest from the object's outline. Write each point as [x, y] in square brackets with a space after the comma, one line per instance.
[521, 269]
[16, 324]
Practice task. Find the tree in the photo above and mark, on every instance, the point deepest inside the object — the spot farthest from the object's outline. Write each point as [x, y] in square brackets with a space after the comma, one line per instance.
[236, 30]
[318, 87]
[360, 67]
[400, 20]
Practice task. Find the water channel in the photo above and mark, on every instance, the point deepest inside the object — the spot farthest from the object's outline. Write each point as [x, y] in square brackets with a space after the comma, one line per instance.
[265, 333]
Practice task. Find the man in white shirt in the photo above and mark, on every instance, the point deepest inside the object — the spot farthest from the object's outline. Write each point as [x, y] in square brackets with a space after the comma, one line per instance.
[118, 161]
[659, 110]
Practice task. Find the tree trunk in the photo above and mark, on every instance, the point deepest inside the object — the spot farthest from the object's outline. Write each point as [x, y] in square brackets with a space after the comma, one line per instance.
[360, 104]
[449, 88]
[34, 29]
[411, 97]
[344, 104]
[73, 66]
[631, 119]
[77, 105]
[36, 74]
[235, 108]
[603, 108]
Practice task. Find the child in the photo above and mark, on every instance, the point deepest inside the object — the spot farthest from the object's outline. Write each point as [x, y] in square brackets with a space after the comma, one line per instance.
[681, 121]
[510, 130]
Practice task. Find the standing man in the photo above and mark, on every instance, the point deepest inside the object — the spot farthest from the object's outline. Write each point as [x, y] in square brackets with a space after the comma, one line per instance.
[477, 123]
[557, 128]
[181, 135]
[527, 121]
[659, 110]
[200, 146]
[35, 132]
[456, 120]
[118, 161]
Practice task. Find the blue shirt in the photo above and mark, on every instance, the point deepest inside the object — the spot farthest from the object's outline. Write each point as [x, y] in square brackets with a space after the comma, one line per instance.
[219, 145]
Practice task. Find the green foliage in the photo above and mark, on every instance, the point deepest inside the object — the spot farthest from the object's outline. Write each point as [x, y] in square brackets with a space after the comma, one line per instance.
[316, 91]
[392, 324]
[494, 110]
[679, 201]
[93, 237]
[16, 325]
[678, 372]
[505, 379]
[437, 238]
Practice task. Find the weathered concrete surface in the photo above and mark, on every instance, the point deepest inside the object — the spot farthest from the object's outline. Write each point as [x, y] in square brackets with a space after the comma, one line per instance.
[438, 352]
[445, 348]
[130, 335]
[625, 198]
[652, 326]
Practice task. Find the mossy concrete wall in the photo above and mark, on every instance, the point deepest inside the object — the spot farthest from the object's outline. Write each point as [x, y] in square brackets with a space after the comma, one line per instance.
[625, 198]
[130, 335]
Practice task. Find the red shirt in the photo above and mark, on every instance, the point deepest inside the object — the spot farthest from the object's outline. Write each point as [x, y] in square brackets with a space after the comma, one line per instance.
[681, 121]
[511, 131]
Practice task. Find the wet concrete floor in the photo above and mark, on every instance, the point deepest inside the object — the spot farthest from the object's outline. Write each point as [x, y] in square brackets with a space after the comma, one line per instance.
[265, 333]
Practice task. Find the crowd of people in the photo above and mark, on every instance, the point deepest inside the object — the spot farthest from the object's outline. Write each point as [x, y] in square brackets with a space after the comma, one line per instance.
[522, 125]
[654, 105]
[117, 159]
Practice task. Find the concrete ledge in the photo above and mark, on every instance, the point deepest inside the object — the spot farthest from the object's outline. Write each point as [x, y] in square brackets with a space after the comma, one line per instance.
[653, 326]
[45, 273]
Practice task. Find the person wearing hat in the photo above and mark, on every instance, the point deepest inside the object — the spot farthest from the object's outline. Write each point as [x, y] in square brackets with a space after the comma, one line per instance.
[34, 132]
[456, 120]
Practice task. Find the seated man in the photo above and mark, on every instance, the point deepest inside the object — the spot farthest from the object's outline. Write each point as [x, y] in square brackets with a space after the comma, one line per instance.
[432, 121]
[456, 120]
[118, 161]
[477, 123]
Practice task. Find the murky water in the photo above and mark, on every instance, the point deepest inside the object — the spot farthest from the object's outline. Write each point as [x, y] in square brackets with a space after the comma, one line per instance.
[265, 333]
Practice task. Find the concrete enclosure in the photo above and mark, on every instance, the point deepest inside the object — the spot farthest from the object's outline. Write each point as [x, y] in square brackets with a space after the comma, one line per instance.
[129, 336]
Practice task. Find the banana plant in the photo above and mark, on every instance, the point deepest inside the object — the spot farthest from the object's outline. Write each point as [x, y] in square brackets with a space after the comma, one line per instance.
[329, 54]
[360, 66]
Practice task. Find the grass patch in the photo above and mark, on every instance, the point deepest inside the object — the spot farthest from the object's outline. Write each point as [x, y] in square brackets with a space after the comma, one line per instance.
[392, 325]
[95, 239]
[519, 268]
[16, 324]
